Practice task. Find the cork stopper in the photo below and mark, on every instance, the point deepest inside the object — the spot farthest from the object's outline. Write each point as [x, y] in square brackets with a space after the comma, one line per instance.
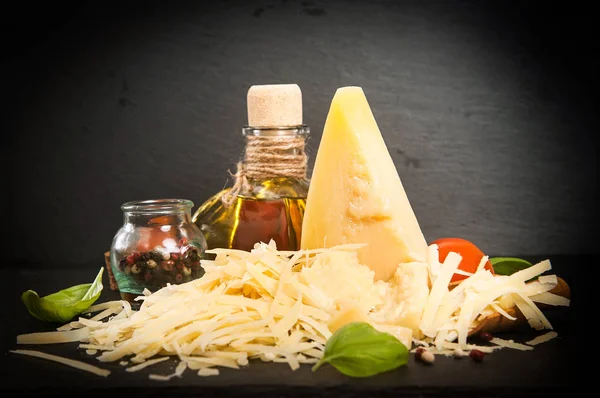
[274, 105]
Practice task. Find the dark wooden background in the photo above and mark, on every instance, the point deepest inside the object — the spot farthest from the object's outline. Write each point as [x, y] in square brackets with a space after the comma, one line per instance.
[487, 109]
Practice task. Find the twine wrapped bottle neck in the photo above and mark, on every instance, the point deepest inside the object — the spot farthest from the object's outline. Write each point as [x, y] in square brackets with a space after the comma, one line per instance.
[268, 157]
[270, 153]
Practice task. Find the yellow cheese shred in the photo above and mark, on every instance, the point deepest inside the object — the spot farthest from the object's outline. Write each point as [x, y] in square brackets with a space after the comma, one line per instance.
[65, 361]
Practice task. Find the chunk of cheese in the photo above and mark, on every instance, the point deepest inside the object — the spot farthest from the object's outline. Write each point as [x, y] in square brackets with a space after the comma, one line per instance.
[406, 298]
[355, 193]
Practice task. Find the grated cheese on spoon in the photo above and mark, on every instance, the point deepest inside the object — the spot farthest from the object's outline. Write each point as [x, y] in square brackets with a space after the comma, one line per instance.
[450, 314]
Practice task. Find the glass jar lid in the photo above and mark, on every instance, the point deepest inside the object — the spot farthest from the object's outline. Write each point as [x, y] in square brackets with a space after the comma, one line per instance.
[157, 205]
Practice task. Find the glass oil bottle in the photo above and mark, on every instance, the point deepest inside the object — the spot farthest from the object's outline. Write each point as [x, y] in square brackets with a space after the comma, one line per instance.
[267, 198]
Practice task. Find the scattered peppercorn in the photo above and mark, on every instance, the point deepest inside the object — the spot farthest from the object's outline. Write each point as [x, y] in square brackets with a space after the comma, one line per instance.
[486, 336]
[418, 352]
[424, 355]
[476, 355]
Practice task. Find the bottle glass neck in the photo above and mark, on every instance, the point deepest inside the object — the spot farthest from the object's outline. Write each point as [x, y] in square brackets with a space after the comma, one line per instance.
[301, 131]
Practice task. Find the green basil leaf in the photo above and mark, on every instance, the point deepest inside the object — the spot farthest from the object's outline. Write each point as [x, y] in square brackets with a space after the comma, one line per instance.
[508, 265]
[359, 350]
[65, 304]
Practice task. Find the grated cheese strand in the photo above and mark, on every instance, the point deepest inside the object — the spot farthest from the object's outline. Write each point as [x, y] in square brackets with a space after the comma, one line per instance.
[65, 361]
[68, 336]
[542, 338]
[144, 365]
[510, 344]
[438, 290]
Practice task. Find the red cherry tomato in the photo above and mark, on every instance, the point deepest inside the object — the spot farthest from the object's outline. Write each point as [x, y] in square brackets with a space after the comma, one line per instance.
[471, 255]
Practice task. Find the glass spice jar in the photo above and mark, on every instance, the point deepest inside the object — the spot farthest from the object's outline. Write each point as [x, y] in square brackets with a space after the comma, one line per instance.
[157, 244]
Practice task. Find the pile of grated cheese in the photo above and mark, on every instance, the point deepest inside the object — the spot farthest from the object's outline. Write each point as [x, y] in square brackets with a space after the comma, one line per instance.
[278, 306]
[282, 306]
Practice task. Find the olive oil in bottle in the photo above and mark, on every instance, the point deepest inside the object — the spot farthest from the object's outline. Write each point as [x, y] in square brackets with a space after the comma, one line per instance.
[267, 199]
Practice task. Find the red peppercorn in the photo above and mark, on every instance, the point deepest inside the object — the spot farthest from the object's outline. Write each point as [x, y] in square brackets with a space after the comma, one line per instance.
[476, 355]
[486, 336]
[130, 259]
[178, 278]
[167, 265]
[174, 256]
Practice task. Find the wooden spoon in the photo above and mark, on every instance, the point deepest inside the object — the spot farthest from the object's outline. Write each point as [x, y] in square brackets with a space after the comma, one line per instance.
[499, 323]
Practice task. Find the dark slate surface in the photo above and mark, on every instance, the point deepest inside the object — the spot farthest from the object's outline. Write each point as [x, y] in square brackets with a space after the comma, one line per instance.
[488, 110]
[551, 368]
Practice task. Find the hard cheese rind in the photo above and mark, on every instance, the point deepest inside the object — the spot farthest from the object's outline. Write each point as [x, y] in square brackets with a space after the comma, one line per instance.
[356, 195]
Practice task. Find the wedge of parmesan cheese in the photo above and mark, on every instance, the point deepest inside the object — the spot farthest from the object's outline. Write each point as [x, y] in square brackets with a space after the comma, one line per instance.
[356, 195]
